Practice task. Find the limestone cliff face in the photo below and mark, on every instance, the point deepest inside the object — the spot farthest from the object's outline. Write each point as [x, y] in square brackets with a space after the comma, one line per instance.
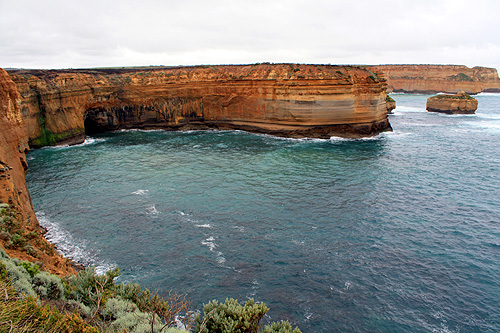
[439, 78]
[13, 188]
[13, 149]
[460, 103]
[288, 100]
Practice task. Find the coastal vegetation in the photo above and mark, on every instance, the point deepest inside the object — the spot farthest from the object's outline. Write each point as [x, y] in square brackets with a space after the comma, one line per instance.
[461, 95]
[36, 301]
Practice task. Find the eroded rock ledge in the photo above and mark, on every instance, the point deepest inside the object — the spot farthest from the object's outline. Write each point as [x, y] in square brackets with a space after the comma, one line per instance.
[59, 106]
[460, 103]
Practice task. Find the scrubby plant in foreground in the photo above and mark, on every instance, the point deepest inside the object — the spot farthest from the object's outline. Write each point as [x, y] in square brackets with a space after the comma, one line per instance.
[36, 301]
[231, 316]
[86, 302]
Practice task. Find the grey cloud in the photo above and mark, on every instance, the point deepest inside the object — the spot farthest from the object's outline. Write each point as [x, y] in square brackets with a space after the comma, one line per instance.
[104, 33]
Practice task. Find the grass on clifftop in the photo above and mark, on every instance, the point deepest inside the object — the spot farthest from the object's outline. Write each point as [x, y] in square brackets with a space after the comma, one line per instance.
[457, 96]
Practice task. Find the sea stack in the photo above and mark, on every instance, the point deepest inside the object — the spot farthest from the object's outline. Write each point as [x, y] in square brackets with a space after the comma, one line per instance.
[460, 103]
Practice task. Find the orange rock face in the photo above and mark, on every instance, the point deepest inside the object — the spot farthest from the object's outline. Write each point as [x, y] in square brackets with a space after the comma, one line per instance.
[287, 100]
[439, 78]
[460, 103]
[13, 189]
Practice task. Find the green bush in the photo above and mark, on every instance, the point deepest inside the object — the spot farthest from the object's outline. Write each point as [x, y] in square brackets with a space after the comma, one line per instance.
[117, 307]
[32, 269]
[19, 277]
[48, 286]
[230, 316]
[26, 315]
[280, 327]
[90, 288]
[136, 322]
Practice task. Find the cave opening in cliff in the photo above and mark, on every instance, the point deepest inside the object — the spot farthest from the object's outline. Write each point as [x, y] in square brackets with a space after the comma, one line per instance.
[91, 123]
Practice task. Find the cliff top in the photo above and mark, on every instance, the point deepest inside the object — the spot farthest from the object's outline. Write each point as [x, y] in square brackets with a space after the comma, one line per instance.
[260, 71]
[460, 95]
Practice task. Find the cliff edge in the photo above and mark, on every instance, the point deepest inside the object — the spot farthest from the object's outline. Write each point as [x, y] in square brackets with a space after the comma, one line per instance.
[60, 106]
[430, 79]
[460, 103]
[20, 233]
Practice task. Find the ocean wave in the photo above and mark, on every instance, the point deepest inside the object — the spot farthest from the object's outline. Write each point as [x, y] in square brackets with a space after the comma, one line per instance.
[88, 141]
[335, 139]
[209, 242]
[404, 108]
[275, 137]
[206, 225]
[488, 94]
[488, 116]
[151, 210]
[140, 192]
[71, 247]
[495, 126]
[138, 130]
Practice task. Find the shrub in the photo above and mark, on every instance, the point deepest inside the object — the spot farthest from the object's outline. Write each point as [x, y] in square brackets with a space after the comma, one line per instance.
[32, 269]
[48, 286]
[4, 235]
[19, 277]
[117, 307]
[18, 240]
[128, 291]
[230, 316]
[136, 322]
[280, 327]
[26, 315]
[90, 288]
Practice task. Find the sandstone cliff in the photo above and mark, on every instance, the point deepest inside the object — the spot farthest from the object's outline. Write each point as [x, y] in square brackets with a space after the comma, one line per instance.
[20, 233]
[460, 103]
[439, 78]
[285, 99]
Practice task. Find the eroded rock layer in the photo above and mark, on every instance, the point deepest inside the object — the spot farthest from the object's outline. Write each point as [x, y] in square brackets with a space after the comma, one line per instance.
[460, 103]
[439, 78]
[20, 232]
[286, 99]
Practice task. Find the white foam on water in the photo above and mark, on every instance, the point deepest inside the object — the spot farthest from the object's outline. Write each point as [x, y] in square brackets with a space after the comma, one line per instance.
[488, 116]
[488, 94]
[220, 258]
[151, 210]
[404, 108]
[492, 125]
[207, 225]
[239, 228]
[209, 242]
[347, 285]
[70, 247]
[297, 242]
[138, 130]
[140, 192]
[335, 139]
[88, 141]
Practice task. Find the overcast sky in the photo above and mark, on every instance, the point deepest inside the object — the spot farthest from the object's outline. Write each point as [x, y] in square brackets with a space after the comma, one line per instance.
[76, 34]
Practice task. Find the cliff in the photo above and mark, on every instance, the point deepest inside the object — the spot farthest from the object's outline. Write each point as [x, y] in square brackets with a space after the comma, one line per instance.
[20, 233]
[431, 79]
[279, 99]
[460, 103]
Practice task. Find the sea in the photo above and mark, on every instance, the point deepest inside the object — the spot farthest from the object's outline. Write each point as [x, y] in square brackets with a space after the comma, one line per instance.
[395, 233]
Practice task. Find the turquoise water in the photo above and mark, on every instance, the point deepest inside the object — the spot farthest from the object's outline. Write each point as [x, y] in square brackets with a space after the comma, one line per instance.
[400, 232]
